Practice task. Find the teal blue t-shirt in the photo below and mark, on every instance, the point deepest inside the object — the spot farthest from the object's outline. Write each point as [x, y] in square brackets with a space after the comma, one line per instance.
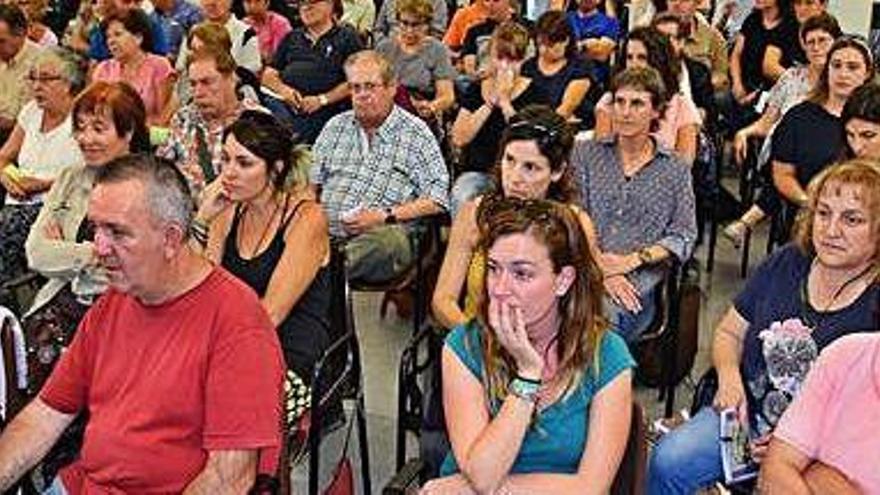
[555, 443]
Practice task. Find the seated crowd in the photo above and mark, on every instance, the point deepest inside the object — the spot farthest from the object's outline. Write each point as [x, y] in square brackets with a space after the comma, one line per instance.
[178, 179]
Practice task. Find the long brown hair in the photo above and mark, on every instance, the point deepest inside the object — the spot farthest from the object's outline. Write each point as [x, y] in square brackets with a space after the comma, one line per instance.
[556, 226]
[821, 91]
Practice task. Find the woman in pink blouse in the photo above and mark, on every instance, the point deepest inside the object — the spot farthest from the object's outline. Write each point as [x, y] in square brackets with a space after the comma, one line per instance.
[680, 124]
[129, 40]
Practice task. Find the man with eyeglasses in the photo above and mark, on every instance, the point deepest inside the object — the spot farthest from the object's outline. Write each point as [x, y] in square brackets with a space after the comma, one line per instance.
[17, 56]
[376, 168]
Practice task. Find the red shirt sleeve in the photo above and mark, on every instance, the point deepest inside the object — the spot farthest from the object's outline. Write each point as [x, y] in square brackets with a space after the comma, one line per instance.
[243, 393]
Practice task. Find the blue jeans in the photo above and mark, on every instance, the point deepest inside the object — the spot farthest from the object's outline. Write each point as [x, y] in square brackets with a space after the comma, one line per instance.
[631, 325]
[466, 187]
[687, 458]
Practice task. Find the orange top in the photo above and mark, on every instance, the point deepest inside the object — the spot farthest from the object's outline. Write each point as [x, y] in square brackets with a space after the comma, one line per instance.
[463, 19]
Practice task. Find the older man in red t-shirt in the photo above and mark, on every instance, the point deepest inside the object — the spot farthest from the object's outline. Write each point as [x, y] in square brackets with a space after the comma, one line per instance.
[183, 389]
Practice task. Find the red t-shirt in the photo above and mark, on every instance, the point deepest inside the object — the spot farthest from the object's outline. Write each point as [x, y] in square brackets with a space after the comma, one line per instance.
[165, 384]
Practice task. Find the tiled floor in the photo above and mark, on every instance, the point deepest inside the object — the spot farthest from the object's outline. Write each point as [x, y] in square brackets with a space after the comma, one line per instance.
[383, 340]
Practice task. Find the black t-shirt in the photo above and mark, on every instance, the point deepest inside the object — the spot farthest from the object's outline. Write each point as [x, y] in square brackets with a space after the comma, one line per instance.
[480, 154]
[476, 40]
[809, 138]
[315, 68]
[757, 38]
[555, 85]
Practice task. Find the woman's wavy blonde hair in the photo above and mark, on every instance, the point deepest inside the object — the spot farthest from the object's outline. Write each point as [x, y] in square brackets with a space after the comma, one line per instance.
[862, 173]
[556, 226]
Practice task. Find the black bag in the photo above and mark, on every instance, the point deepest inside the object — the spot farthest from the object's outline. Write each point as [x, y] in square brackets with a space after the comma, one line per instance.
[47, 332]
[704, 392]
[652, 353]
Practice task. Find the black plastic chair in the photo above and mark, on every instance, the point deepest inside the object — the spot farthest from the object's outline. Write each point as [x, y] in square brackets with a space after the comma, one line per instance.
[337, 375]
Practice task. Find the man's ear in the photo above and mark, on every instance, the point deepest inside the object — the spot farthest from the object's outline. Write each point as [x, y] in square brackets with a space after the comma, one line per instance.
[564, 280]
[174, 240]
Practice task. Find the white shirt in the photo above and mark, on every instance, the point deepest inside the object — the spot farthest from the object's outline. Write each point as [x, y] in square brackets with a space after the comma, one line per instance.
[44, 154]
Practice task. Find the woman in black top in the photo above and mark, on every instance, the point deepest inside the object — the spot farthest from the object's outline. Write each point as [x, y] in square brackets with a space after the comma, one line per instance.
[265, 228]
[771, 24]
[561, 71]
[810, 135]
[487, 106]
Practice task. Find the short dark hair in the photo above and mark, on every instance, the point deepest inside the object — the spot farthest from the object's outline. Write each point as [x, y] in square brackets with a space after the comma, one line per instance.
[553, 26]
[167, 193]
[265, 136]
[555, 139]
[14, 17]
[136, 22]
[821, 22]
[644, 79]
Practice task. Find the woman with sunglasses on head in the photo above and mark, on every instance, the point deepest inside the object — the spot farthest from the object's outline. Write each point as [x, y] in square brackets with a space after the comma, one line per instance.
[260, 222]
[680, 121]
[487, 106]
[537, 391]
[861, 121]
[421, 63]
[533, 165]
[824, 285]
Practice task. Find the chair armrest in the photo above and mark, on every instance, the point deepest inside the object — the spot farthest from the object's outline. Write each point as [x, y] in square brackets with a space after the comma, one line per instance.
[405, 480]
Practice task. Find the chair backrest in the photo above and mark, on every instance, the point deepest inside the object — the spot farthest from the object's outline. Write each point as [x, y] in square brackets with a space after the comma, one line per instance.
[630, 478]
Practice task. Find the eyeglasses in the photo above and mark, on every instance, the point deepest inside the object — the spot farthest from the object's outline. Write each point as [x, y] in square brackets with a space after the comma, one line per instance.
[410, 25]
[364, 87]
[819, 42]
[42, 78]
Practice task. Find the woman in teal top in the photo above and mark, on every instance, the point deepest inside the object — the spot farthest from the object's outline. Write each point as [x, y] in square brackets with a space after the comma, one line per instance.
[537, 391]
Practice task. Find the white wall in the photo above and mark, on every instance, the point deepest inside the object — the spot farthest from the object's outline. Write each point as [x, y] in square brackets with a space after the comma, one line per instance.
[854, 15]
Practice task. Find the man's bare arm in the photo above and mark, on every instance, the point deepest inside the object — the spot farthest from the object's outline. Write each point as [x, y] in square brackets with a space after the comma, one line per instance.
[227, 471]
[28, 438]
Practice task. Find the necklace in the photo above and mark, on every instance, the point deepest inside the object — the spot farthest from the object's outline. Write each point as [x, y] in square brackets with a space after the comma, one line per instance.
[814, 317]
[268, 226]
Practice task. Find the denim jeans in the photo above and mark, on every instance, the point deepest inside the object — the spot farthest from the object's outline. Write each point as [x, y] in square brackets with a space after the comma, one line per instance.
[631, 325]
[466, 187]
[687, 458]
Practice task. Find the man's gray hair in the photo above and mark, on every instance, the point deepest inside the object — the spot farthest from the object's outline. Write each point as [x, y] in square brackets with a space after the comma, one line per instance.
[167, 193]
[386, 70]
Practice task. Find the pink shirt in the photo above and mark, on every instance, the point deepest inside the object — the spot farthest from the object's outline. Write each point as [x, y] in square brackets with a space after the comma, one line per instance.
[151, 75]
[270, 33]
[680, 112]
[835, 418]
